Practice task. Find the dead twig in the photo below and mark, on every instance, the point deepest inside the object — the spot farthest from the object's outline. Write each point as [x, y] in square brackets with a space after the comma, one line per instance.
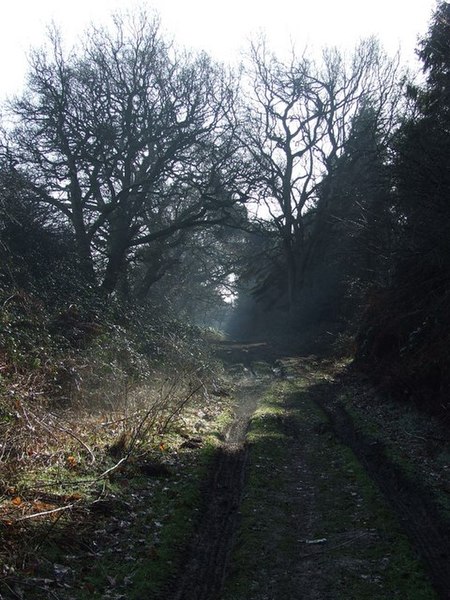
[47, 533]
[44, 513]
[335, 547]
[414, 435]
[111, 469]
[47, 426]
[121, 420]
[153, 409]
[75, 437]
[10, 589]
[179, 408]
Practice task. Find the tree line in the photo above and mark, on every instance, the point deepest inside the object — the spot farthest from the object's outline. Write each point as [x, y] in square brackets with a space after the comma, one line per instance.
[315, 189]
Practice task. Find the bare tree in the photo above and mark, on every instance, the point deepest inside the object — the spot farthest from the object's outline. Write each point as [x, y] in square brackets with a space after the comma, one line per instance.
[298, 120]
[128, 139]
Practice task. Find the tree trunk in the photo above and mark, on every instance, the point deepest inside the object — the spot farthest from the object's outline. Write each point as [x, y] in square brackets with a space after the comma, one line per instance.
[116, 267]
[291, 275]
[83, 249]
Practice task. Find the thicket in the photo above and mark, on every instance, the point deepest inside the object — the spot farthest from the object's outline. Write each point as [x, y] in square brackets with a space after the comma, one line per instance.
[118, 183]
[87, 380]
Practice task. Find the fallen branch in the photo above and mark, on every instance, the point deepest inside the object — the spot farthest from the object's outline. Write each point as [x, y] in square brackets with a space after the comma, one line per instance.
[46, 512]
[112, 469]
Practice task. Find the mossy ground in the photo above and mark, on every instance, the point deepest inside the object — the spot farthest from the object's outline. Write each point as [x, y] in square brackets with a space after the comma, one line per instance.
[126, 533]
[312, 524]
[416, 443]
[312, 521]
[147, 557]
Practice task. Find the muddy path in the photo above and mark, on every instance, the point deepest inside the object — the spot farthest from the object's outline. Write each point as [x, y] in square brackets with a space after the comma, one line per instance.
[303, 498]
[207, 557]
[310, 490]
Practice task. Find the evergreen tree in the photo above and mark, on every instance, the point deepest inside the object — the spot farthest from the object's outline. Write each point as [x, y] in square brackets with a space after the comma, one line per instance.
[406, 333]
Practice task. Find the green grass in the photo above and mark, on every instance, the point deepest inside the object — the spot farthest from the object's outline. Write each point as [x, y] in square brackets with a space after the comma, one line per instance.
[158, 535]
[263, 510]
[404, 419]
[136, 546]
[392, 568]
[366, 554]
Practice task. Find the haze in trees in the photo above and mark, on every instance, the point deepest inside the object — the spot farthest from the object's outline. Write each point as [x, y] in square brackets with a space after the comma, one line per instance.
[129, 141]
[140, 165]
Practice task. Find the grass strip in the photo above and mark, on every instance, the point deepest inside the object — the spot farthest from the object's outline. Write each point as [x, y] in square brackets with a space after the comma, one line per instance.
[311, 518]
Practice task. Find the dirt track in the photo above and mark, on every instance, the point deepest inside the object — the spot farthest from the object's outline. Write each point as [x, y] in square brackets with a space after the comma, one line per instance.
[208, 555]
[207, 559]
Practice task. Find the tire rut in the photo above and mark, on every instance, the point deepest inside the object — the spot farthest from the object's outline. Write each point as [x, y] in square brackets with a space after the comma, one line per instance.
[429, 534]
[207, 558]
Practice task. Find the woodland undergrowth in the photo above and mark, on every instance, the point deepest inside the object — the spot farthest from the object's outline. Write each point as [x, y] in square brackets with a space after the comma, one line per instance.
[84, 401]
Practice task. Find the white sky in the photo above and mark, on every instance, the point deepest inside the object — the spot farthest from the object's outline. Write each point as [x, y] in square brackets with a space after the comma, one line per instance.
[220, 27]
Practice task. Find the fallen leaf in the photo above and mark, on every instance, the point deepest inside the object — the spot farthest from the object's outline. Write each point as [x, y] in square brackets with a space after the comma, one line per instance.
[71, 462]
[61, 571]
[71, 497]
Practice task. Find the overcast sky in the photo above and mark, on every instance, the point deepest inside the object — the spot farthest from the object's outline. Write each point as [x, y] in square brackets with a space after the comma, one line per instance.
[220, 27]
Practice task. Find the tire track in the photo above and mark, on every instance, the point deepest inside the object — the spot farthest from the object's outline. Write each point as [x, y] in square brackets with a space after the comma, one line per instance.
[208, 555]
[428, 533]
